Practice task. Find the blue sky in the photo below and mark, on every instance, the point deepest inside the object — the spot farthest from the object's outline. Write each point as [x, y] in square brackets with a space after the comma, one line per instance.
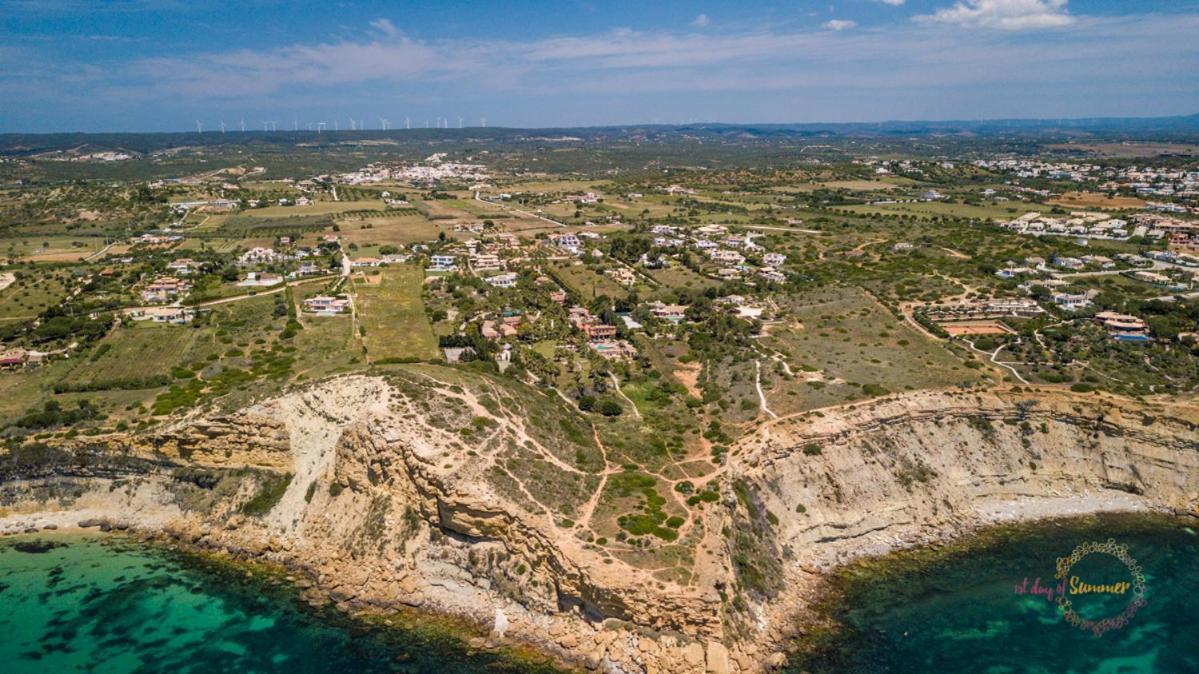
[152, 65]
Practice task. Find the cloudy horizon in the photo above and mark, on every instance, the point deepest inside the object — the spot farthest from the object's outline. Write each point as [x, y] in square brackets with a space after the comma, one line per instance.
[154, 65]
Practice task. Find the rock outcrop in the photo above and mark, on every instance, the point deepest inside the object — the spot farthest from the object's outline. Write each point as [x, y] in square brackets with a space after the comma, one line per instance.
[388, 506]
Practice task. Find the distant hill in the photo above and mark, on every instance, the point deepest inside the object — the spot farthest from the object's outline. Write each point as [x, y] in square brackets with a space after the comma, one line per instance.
[1178, 129]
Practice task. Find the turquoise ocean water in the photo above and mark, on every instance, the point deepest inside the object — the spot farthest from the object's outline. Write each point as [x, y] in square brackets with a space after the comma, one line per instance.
[963, 612]
[108, 604]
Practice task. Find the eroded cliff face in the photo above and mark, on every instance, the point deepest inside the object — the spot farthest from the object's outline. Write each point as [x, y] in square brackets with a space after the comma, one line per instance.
[922, 467]
[394, 499]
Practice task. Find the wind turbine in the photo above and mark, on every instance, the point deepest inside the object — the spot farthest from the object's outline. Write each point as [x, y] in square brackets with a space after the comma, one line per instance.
[459, 121]
[295, 124]
[483, 122]
[319, 126]
[407, 123]
[243, 124]
[335, 124]
[264, 125]
[222, 127]
[199, 127]
[383, 123]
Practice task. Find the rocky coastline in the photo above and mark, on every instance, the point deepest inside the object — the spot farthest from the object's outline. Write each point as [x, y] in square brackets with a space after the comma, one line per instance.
[384, 529]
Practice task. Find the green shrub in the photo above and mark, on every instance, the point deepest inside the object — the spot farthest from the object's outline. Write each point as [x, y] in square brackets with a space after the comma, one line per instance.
[270, 490]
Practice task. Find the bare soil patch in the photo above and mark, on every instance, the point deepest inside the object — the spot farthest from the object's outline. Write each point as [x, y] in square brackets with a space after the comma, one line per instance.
[976, 328]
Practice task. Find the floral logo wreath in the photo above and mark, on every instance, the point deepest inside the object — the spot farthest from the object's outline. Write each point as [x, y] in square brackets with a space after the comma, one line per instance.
[1120, 552]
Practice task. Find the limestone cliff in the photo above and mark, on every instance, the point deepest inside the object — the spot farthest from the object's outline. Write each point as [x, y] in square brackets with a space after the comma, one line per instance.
[409, 490]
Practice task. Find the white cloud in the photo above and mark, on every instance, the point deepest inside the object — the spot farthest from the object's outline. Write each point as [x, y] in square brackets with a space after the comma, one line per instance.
[1003, 14]
[616, 63]
[893, 3]
[701, 21]
[839, 24]
[385, 26]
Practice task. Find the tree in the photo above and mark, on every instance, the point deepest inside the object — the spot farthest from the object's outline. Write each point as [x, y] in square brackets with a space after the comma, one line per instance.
[610, 408]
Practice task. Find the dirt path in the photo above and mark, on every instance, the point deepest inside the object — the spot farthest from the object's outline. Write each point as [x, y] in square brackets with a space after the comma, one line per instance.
[861, 248]
[761, 394]
[906, 310]
[589, 507]
[616, 384]
[94, 256]
[992, 357]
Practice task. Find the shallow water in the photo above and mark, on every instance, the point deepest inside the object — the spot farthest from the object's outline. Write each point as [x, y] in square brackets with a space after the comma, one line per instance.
[106, 604]
[962, 611]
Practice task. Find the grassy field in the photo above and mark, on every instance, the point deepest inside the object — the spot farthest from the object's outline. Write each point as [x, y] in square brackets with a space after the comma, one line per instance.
[398, 230]
[393, 316]
[51, 249]
[144, 350]
[33, 293]
[444, 209]
[477, 208]
[326, 344]
[851, 347]
[859, 185]
[556, 186]
[678, 276]
[316, 208]
[1004, 211]
[588, 284]
[1096, 200]
[22, 390]
[224, 245]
